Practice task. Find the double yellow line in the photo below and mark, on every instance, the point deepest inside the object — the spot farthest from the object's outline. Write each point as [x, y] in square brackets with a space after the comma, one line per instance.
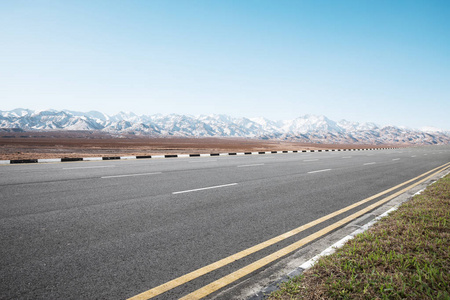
[224, 281]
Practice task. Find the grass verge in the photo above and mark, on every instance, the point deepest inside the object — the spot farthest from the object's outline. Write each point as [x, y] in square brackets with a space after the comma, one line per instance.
[405, 255]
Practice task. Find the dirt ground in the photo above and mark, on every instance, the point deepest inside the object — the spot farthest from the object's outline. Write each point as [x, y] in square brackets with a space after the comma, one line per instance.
[36, 145]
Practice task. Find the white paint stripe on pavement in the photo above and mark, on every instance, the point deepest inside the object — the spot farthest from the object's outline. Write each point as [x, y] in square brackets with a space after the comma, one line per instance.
[311, 160]
[131, 175]
[254, 165]
[347, 157]
[205, 188]
[96, 167]
[396, 159]
[371, 163]
[324, 170]
[202, 161]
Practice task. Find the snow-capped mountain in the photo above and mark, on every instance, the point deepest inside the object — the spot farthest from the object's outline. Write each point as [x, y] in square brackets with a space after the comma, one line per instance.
[310, 123]
[308, 128]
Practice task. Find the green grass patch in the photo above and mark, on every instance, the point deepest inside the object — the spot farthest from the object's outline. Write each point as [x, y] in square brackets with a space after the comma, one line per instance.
[405, 255]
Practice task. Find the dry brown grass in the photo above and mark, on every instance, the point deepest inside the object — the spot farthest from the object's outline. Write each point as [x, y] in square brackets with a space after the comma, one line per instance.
[35, 145]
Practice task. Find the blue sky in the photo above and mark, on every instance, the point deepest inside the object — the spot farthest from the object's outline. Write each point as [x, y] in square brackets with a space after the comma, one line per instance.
[380, 61]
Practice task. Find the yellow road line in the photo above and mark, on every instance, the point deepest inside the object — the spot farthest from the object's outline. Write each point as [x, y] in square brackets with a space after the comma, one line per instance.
[224, 281]
[225, 261]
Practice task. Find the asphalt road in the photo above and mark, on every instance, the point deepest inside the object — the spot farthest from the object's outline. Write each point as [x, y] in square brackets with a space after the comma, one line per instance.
[113, 229]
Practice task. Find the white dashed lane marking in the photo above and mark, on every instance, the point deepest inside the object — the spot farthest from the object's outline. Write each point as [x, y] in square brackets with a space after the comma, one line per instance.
[131, 175]
[254, 165]
[318, 171]
[205, 188]
[202, 161]
[96, 167]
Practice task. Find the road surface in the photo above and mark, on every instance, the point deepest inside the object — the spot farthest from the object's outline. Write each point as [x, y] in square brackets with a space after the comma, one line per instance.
[114, 229]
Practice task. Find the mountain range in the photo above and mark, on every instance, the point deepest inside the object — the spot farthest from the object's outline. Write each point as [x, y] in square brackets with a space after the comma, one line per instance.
[308, 128]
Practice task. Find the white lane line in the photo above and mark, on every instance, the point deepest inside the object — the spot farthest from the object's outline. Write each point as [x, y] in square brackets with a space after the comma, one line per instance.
[201, 161]
[371, 163]
[310, 159]
[131, 175]
[396, 159]
[347, 157]
[205, 188]
[254, 165]
[414, 156]
[325, 170]
[97, 167]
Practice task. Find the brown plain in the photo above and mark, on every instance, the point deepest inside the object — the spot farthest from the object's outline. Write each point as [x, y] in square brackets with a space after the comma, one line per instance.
[60, 144]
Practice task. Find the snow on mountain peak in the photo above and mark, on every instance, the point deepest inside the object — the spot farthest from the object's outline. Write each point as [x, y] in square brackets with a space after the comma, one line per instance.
[307, 128]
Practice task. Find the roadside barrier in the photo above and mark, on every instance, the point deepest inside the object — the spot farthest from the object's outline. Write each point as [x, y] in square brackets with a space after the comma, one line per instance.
[69, 159]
